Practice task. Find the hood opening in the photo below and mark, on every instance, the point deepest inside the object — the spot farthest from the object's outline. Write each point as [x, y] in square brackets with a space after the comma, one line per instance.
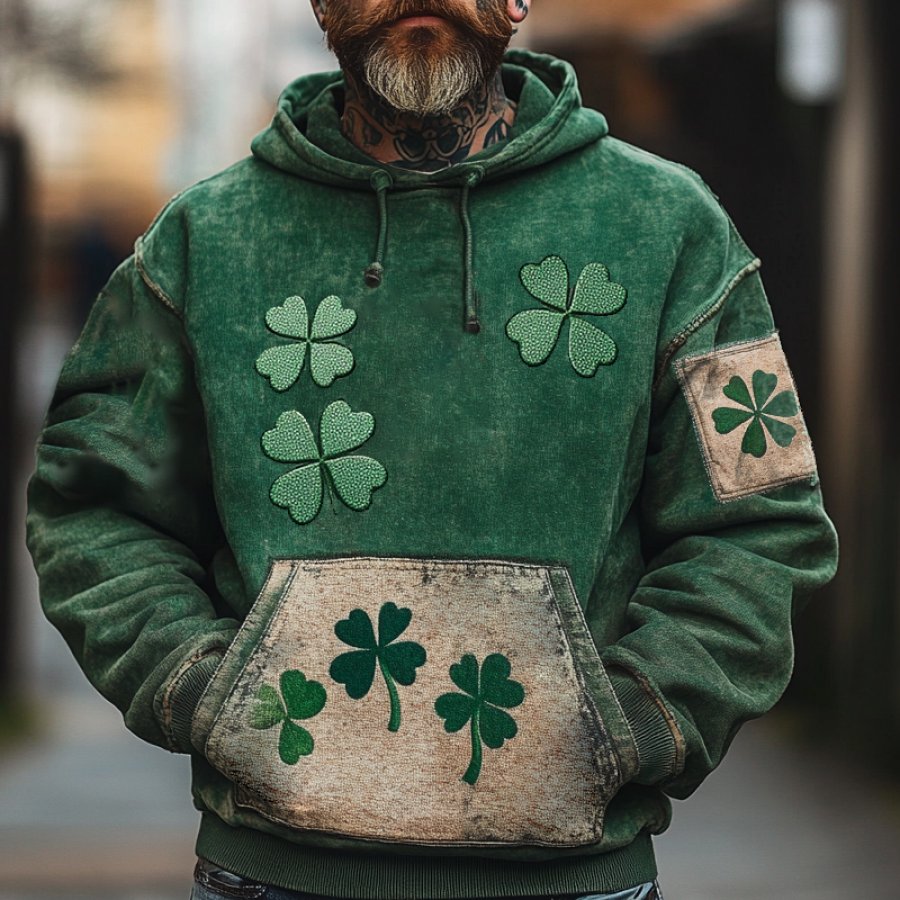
[305, 140]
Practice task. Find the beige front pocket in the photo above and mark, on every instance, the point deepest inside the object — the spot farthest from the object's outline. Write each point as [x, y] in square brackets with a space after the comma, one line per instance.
[425, 702]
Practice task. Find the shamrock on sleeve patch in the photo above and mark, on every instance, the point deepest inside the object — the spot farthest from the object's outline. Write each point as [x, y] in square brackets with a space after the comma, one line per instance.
[759, 410]
[743, 403]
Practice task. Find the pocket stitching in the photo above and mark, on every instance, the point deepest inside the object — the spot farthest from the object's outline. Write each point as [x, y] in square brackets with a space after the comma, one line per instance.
[594, 711]
[245, 797]
[579, 612]
[266, 632]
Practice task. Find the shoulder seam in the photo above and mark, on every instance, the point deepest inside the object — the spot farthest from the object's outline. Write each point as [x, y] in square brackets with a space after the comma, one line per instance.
[701, 319]
[155, 288]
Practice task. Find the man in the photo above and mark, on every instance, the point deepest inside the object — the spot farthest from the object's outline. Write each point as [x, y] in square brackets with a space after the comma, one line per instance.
[436, 479]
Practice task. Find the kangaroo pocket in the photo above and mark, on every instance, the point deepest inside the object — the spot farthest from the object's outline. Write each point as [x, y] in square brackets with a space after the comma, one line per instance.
[427, 702]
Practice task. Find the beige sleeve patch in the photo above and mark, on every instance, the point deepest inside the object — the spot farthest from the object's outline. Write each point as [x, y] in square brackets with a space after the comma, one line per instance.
[744, 406]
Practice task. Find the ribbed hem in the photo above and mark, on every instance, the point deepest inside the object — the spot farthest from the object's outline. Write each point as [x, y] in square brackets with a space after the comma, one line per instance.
[186, 696]
[370, 876]
[657, 750]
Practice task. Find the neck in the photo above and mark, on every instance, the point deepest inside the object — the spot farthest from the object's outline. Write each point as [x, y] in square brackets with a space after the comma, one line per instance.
[427, 143]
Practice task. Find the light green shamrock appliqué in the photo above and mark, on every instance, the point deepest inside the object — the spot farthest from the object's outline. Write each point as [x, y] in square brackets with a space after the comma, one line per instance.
[351, 478]
[398, 662]
[328, 359]
[302, 700]
[483, 693]
[760, 409]
[537, 331]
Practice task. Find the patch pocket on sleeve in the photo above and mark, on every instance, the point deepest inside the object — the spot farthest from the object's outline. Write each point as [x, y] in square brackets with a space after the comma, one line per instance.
[743, 403]
[427, 702]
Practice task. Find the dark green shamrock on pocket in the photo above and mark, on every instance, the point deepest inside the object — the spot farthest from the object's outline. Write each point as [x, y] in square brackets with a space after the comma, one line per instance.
[397, 661]
[483, 694]
[302, 700]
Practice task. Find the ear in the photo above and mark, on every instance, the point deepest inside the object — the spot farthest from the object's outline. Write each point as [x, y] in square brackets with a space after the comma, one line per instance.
[517, 10]
[319, 10]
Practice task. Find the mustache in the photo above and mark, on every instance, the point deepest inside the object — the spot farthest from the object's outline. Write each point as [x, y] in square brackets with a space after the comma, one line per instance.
[490, 23]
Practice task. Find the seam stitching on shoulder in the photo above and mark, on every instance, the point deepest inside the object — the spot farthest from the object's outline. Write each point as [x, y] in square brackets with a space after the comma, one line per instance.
[701, 319]
[692, 403]
[155, 288]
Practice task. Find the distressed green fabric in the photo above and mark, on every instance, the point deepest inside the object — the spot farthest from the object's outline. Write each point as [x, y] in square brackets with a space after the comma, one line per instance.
[154, 513]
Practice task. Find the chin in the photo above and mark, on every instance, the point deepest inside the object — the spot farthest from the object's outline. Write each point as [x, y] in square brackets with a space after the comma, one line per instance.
[432, 40]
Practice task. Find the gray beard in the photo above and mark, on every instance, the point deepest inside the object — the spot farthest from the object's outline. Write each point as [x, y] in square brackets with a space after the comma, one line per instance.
[423, 87]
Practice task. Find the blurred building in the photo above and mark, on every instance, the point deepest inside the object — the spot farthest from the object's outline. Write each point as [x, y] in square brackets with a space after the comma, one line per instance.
[788, 108]
[228, 61]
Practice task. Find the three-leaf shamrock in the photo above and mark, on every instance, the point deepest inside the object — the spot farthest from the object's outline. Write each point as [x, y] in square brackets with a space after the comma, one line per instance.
[302, 699]
[352, 478]
[537, 331]
[760, 409]
[483, 694]
[397, 661]
[328, 359]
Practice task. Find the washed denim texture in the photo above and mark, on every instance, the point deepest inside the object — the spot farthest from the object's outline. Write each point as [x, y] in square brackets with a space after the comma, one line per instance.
[154, 514]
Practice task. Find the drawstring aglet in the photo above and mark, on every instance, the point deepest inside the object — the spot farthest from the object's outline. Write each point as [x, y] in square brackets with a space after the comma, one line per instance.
[380, 181]
[373, 274]
[472, 324]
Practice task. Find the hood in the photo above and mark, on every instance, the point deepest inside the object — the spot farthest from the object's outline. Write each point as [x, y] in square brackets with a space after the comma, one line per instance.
[305, 140]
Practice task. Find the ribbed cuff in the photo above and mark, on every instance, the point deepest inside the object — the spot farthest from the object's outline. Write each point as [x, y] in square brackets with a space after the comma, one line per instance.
[656, 746]
[186, 696]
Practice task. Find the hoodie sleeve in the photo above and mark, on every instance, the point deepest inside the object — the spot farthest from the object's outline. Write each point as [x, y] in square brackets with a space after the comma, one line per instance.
[733, 528]
[121, 520]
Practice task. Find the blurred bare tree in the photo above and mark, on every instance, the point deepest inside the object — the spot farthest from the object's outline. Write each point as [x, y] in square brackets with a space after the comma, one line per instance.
[61, 37]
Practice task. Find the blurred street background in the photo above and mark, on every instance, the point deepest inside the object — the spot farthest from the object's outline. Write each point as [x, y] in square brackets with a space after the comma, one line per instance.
[788, 108]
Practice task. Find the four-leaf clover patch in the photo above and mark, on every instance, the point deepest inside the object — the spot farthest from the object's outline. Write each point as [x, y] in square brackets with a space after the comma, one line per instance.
[328, 359]
[537, 331]
[300, 699]
[758, 411]
[398, 662]
[734, 438]
[352, 478]
[485, 690]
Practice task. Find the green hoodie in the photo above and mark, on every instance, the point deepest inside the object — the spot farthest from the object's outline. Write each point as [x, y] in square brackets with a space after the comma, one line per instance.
[450, 522]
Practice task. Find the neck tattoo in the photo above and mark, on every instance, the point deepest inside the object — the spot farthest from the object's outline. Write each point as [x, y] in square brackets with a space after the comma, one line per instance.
[426, 144]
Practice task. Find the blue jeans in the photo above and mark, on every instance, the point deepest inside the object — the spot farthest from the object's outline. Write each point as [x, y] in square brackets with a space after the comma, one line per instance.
[214, 883]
